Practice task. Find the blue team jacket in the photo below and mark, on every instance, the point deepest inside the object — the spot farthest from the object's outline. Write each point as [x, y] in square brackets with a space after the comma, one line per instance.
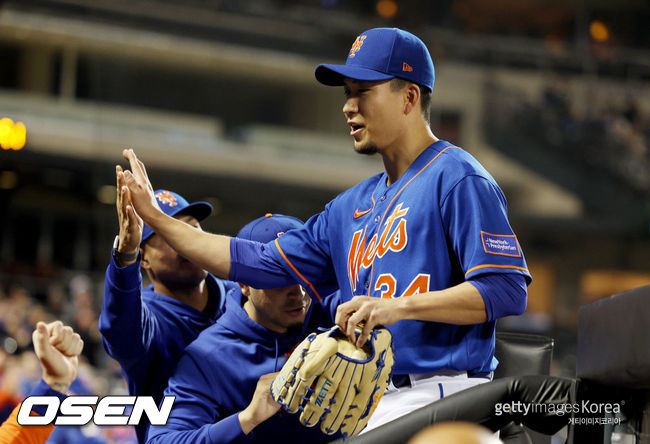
[216, 378]
[146, 332]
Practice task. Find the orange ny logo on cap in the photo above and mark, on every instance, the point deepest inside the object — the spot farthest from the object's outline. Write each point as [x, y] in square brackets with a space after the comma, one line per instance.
[166, 198]
[357, 45]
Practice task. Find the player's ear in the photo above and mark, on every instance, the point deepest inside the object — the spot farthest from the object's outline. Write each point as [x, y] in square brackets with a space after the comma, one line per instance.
[411, 98]
[144, 258]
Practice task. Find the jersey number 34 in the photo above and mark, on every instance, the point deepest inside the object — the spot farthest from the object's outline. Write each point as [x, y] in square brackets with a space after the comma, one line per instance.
[387, 284]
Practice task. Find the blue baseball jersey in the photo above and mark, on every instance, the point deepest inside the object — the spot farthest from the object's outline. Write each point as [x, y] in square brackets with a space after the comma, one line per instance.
[444, 221]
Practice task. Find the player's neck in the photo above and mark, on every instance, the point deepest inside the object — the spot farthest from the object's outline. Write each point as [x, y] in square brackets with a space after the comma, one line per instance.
[195, 296]
[402, 153]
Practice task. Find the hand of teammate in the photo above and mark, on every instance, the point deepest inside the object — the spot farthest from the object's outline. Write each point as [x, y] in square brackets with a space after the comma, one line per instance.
[371, 311]
[261, 407]
[130, 223]
[57, 347]
[140, 189]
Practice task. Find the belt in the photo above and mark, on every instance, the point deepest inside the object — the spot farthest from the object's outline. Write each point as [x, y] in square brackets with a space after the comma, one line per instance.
[400, 381]
[405, 380]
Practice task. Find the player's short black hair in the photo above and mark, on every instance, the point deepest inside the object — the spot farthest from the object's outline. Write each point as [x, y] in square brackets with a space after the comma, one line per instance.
[397, 84]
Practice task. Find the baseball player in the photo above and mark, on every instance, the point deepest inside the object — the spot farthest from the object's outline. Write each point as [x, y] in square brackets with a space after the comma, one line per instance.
[424, 247]
[222, 381]
[146, 330]
[57, 347]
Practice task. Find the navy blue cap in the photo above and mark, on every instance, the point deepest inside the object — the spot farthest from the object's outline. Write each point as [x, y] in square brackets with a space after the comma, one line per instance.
[382, 54]
[173, 203]
[269, 227]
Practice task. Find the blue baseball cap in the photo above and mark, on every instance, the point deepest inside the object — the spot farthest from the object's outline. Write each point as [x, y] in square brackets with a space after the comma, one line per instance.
[267, 228]
[172, 204]
[382, 54]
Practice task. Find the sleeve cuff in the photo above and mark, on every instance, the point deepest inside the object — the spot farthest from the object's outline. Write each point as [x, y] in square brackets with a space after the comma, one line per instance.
[229, 430]
[42, 389]
[125, 278]
[233, 259]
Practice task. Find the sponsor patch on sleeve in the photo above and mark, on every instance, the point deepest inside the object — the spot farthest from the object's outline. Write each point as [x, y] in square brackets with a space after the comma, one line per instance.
[503, 244]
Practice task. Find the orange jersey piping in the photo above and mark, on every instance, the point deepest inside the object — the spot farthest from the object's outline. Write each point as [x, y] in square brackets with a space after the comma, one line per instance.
[296, 270]
[495, 266]
[372, 268]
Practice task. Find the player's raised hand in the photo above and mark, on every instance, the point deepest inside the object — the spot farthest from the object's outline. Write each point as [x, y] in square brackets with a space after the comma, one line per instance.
[131, 224]
[369, 311]
[140, 189]
[57, 347]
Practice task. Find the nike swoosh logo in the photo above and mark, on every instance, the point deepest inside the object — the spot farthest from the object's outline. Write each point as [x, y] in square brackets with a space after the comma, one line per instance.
[358, 214]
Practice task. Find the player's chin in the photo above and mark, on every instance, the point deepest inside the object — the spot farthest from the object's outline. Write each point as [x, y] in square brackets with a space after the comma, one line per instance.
[294, 328]
[366, 148]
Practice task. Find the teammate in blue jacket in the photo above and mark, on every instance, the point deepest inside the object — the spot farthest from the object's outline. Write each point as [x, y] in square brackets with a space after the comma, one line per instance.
[146, 330]
[424, 247]
[222, 381]
[57, 347]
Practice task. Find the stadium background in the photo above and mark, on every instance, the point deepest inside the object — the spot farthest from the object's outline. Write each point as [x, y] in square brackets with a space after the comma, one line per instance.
[218, 98]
